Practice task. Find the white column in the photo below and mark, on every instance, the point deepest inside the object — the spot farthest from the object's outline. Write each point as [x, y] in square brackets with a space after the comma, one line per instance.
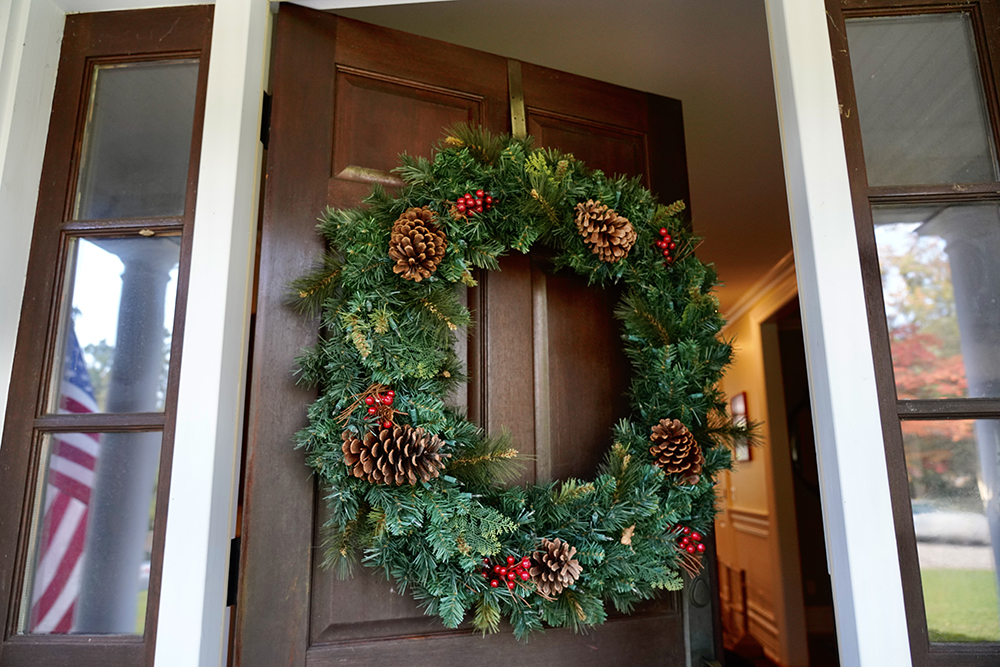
[31, 32]
[192, 617]
[861, 543]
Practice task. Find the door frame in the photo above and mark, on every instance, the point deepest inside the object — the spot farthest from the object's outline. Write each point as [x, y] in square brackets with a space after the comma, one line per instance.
[833, 310]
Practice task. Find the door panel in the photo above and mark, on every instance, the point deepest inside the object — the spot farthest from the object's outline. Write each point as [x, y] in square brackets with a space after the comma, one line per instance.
[545, 355]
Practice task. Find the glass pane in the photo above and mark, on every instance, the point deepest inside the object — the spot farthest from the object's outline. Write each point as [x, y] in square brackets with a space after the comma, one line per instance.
[92, 534]
[116, 335]
[920, 101]
[137, 141]
[941, 283]
[953, 472]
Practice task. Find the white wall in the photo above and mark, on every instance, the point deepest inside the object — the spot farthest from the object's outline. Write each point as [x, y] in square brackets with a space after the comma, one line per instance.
[32, 32]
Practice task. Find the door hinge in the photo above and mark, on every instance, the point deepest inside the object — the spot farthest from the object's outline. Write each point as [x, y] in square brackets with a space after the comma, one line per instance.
[232, 586]
[265, 120]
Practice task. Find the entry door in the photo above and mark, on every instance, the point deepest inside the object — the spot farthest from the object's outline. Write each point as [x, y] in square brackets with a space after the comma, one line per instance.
[545, 356]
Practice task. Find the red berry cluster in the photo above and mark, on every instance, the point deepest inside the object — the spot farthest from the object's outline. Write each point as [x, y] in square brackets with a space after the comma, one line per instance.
[467, 204]
[667, 245]
[690, 541]
[376, 401]
[508, 572]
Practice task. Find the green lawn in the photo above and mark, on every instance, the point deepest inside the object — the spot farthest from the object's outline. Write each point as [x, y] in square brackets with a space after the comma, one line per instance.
[140, 612]
[961, 605]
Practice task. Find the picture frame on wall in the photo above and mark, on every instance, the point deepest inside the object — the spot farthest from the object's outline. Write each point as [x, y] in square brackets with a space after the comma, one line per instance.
[738, 410]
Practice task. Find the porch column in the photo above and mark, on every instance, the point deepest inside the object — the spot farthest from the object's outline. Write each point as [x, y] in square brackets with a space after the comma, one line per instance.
[857, 510]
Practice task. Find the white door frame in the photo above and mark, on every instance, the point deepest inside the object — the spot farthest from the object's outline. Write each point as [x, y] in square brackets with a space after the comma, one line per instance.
[192, 627]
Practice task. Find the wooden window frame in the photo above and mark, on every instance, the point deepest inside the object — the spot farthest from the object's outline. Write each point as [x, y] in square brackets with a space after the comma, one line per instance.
[89, 39]
[985, 15]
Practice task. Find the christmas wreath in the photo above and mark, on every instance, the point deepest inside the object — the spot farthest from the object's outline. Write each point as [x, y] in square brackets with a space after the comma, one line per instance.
[416, 490]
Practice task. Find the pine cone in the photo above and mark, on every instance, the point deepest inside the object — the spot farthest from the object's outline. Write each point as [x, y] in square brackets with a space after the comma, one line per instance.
[553, 567]
[608, 234]
[416, 244]
[675, 450]
[398, 455]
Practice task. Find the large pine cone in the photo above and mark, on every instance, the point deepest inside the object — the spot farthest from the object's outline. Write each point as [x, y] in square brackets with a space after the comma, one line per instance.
[553, 567]
[675, 450]
[398, 455]
[608, 234]
[416, 244]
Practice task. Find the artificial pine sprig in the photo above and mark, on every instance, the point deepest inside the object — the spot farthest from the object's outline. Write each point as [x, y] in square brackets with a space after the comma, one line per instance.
[380, 331]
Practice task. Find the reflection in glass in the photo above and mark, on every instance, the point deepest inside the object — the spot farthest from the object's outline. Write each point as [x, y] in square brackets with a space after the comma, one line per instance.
[952, 468]
[920, 101]
[92, 534]
[941, 285]
[119, 327]
[137, 141]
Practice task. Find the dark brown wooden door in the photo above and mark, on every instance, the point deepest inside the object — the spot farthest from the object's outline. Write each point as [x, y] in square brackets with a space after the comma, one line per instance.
[545, 358]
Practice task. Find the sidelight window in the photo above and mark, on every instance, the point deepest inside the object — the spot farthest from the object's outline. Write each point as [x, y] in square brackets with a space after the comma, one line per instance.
[88, 439]
[917, 87]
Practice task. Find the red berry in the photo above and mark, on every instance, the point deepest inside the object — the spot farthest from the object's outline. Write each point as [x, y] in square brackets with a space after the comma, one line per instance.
[387, 400]
[662, 245]
[488, 199]
[494, 583]
[486, 575]
[479, 202]
[663, 231]
[686, 530]
[668, 238]
[666, 253]
[696, 537]
[672, 245]
[511, 576]
[479, 193]
[479, 209]
[510, 560]
[700, 548]
[386, 424]
[496, 568]
[372, 410]
[525, 562]
[685, 541]
[486, 561]
[670, 260]
[390, 393]
[691, 549]
[460, 207]
[502, 571]
[510, 585]
[525, 576]
[369, 400]
[471, 211]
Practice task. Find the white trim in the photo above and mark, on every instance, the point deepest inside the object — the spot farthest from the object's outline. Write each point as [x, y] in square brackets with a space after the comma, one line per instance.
[192, 628]
[345, 4]
[82, 6]
[861, 543]
[32, 33]
[777, 274]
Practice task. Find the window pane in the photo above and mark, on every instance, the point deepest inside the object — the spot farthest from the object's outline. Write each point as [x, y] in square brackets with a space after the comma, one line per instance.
[941, 283]
[920, 101]
[953, 472]
[116, 335]
[92, 534]
[137, 141]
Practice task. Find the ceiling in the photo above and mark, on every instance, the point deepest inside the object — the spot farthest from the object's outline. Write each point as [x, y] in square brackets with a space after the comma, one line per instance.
[713, 55]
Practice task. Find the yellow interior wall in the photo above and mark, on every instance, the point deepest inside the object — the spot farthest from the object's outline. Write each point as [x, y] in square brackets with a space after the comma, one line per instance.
[749, 527]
